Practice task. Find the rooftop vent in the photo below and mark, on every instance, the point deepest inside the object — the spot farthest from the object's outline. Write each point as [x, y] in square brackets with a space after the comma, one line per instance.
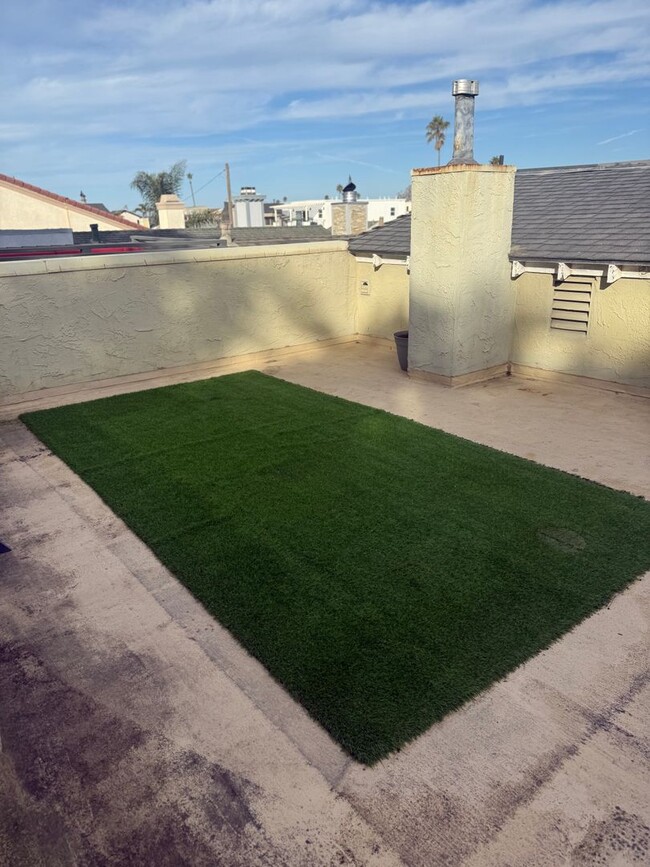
[350, 191]
[465, 90]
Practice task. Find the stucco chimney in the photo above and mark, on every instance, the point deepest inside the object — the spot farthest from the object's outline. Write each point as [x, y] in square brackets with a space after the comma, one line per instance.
[465, 90]
[171, 212]
[349, 216]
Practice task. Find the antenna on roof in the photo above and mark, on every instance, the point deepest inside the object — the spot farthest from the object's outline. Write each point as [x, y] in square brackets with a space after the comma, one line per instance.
[82, 196]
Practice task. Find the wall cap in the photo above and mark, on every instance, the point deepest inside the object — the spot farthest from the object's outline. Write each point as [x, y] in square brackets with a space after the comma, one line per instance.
[445, 170]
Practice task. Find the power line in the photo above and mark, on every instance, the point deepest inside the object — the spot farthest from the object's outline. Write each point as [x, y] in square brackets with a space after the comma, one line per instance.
[209, 182]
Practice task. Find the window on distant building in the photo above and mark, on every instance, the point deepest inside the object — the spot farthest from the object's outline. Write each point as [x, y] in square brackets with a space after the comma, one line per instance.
[392, 212]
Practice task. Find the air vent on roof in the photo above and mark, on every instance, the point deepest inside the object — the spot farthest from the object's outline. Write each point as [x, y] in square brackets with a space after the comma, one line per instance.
[571, 306]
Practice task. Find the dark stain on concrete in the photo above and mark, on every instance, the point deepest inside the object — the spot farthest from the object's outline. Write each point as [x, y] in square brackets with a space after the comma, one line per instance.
[509, 797]
[35, 453]
[621, 834]
[605, 720]
[448, 830]
[80, 785]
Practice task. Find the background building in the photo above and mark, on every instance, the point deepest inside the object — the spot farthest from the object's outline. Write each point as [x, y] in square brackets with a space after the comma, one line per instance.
[25, 206]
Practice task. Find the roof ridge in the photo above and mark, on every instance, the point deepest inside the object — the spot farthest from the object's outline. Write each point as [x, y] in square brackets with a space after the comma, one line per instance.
[584, 167]
[57, 198]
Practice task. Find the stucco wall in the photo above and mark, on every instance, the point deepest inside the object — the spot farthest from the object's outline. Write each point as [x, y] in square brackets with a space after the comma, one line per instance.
[24, 209]
[616, 347]
[461, 298]
[73, 320]
[386, 309]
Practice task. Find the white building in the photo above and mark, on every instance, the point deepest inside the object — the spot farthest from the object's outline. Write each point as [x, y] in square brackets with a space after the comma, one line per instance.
[249, 208]
[319, 211]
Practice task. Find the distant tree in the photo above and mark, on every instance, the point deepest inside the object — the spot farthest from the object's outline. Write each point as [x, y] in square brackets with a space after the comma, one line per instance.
[497, 161]
[339, 189]
[435, 132]
[405, 194]
[326, 197]
[202, 217]
[152, 186]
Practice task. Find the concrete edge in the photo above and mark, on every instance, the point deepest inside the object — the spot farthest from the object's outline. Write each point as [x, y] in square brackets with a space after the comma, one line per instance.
[527, 372]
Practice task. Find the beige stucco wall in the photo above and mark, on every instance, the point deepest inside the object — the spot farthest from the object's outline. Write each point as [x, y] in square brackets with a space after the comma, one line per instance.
[616, 347]
[25, 209]
[386, 308]
[461, 297]
[73, 320]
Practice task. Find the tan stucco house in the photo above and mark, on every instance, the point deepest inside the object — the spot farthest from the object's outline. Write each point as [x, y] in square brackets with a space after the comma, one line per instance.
[579, 257]
[25, 206]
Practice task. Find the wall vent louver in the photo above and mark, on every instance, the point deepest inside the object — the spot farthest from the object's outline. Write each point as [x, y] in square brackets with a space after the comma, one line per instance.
[571, 307]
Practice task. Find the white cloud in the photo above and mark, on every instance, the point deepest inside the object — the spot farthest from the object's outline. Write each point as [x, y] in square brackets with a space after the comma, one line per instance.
[213, 66]
[129, 80]
[617, 137]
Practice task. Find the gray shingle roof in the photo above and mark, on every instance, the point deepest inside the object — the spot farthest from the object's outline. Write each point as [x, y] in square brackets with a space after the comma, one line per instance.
[598, 213]
[279, 235]
[242, 237]
[391, 239]
[595, 213]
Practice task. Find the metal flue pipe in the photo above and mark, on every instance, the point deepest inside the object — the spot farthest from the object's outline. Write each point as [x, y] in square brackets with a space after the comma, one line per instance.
[465, 90]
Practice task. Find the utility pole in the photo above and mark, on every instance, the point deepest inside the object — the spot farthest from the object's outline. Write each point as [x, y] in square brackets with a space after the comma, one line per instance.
[231, 213]
[189, 178]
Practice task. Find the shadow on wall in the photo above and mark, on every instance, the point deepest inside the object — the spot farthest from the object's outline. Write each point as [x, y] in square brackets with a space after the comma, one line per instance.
[87, 324]
[616, 345]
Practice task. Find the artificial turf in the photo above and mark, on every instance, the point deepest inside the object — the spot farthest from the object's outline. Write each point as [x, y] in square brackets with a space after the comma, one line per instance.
[383, 571]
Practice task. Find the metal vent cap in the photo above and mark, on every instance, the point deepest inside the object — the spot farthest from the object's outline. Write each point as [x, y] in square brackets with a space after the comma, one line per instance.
[464, 87]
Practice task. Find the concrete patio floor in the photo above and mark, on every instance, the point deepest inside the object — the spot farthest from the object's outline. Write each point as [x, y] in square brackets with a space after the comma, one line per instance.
[135, 730]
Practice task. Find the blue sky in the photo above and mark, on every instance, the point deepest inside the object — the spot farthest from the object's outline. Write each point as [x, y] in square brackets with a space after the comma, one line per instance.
[297, 94]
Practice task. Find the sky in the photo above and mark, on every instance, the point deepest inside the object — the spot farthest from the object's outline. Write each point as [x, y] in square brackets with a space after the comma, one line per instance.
[298, 94]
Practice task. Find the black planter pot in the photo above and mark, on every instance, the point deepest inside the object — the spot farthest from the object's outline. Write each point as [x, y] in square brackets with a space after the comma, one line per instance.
[402, 346]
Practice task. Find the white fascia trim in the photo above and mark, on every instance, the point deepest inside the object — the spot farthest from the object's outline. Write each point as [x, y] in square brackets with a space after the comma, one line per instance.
[377, 261]
[563, 271]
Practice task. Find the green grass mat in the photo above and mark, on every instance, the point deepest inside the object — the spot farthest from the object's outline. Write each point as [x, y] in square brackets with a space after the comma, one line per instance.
[384, 572]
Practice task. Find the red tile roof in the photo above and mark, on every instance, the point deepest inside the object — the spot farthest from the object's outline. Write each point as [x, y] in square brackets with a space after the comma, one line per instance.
[80, 206]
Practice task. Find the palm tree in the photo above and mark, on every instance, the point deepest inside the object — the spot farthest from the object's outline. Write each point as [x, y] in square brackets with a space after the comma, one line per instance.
[152, 186]
[435, 132]
[497, 161]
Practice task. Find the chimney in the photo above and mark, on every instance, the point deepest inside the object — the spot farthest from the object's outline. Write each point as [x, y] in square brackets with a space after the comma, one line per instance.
[349, 216]
[171, 212]
[94, 231]
[465, 90]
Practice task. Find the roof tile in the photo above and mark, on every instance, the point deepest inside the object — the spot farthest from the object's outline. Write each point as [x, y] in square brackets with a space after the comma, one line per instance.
[587, 213]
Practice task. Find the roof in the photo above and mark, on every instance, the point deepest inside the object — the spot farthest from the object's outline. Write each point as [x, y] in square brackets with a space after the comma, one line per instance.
[79, 206]
[123, 236]
[244, 237]
[592, 213]
[247, 237]
[598, 213]
[393, 238]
